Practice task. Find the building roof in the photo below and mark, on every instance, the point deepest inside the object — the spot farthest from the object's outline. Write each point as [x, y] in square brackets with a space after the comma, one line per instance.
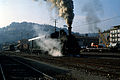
[107, 31]
[115, 27]
[118, 26]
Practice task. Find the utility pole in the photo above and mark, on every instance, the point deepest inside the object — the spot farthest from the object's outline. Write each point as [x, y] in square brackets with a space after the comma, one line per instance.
[55, 24]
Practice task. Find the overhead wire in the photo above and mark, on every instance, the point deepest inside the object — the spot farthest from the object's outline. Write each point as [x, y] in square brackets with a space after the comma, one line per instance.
[101, 20]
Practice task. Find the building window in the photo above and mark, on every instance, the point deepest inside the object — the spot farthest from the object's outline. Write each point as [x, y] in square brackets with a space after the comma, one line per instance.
[113, 31]
[110, 35]
[110, 39]
[119, 35]
[113, 40]
[119, 30]
[118, 39]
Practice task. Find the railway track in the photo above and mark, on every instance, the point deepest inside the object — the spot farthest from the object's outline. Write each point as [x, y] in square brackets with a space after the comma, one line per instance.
[105, 67]
[13, 69]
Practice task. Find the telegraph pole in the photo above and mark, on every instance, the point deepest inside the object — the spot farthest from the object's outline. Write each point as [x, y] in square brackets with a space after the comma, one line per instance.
[55, 24]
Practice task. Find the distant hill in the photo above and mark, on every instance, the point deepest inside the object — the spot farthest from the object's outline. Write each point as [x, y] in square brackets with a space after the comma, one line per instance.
[16, 31]
[26, 30]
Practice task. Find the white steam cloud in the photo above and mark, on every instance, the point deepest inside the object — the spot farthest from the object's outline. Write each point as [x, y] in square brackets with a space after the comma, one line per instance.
[52, 46]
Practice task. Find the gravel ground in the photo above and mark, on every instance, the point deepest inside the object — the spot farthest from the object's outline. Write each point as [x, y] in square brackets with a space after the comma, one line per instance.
[81, 68]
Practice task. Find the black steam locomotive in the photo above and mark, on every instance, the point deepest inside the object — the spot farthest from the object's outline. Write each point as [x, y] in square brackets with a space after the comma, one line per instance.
[69, 44]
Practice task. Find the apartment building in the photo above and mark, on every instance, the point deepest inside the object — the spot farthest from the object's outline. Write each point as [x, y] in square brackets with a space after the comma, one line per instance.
[115, 35]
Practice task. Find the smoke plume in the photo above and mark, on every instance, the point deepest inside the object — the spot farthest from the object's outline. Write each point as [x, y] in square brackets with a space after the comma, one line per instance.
[65, 9]
[92, 9]
[52, 46]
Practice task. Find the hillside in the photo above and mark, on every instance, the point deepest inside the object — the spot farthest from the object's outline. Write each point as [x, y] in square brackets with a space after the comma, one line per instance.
[16, 31]
[26, 30]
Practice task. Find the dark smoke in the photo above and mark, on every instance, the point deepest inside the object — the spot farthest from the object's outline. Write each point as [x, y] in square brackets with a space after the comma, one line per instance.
[92, 9]
[65, 9]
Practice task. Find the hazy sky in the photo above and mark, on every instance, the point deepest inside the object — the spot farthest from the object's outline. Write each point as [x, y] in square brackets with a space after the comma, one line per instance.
[40, 12]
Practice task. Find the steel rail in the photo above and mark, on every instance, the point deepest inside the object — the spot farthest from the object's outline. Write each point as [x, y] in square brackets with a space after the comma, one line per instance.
[2, 72]
[34, 69]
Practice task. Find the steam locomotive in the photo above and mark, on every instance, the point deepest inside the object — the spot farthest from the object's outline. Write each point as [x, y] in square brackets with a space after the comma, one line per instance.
[69, 44]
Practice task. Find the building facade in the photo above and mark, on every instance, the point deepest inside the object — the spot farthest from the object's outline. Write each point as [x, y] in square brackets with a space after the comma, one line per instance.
[115, 35]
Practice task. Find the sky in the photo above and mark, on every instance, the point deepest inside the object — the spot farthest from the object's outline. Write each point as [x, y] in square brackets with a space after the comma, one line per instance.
[42, 13]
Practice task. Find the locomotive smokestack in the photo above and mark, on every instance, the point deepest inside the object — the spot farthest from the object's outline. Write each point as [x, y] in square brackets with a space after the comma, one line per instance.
[69, 30]
[69, 23]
